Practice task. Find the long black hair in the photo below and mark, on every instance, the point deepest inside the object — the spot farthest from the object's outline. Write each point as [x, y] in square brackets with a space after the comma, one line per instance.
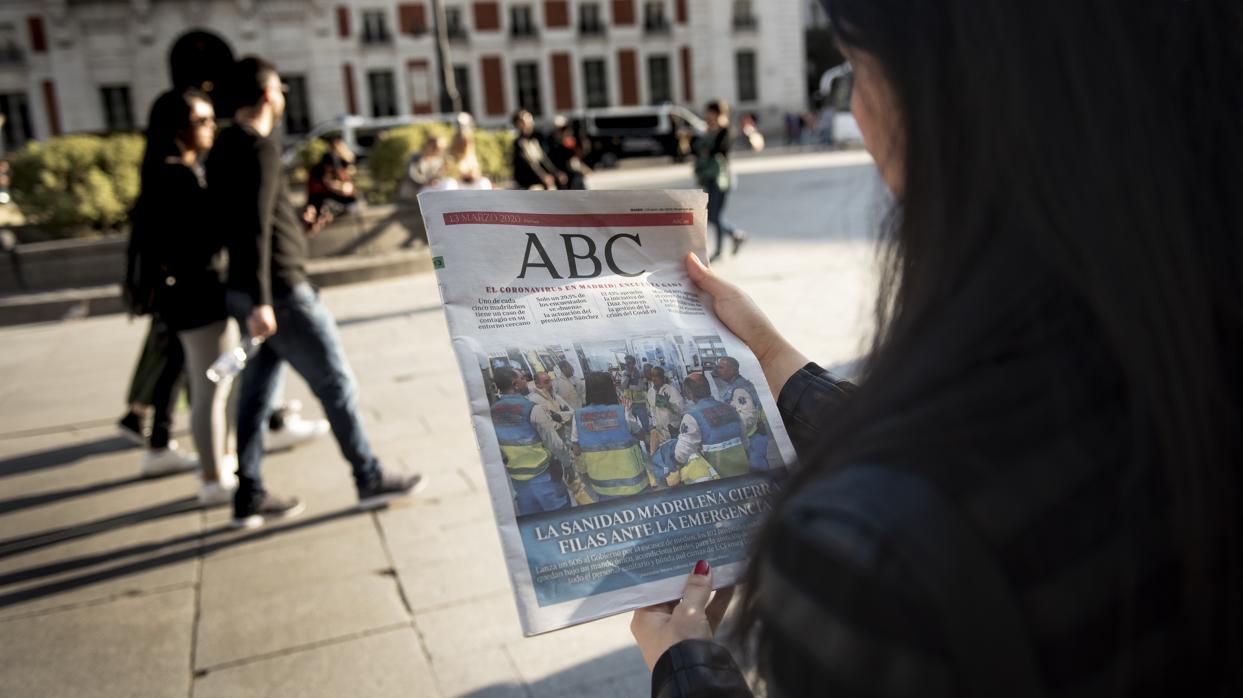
[170, 116]
[599, 389]
[1066, 247]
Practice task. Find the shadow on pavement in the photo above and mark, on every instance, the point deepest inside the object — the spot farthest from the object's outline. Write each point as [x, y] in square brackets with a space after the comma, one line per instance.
[64, 455]
[22, 544]
[177, 549]
[37, 500]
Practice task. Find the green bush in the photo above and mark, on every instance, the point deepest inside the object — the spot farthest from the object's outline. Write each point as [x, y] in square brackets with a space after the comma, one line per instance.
[78, 183]
[308, 156]
[387, 159]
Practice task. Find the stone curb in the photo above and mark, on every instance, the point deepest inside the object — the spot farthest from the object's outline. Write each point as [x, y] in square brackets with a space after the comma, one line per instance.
[76, 303]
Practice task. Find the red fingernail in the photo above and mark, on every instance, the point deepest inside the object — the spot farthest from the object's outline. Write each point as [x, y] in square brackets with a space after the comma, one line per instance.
[701, 568]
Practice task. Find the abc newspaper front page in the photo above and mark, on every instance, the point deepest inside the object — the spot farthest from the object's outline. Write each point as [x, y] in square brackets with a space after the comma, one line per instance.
[624, 432]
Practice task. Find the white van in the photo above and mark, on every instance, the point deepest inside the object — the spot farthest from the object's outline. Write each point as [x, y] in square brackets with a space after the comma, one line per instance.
[836, 85]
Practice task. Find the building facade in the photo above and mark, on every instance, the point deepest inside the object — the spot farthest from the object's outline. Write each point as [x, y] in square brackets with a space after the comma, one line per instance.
[96, 65]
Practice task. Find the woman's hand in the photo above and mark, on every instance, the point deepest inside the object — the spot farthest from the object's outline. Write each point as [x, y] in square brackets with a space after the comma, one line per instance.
[743, 317]
[657, 628]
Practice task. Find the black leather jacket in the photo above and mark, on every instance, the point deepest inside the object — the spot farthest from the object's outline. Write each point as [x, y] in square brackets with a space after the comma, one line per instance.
[694, 668]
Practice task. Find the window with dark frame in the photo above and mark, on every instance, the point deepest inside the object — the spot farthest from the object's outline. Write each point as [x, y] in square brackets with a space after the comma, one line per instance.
[654, 20]
[17, 130]
[297, 106]
[461, 76]
[521, 22]
[595, 83]
[375, 27]
[382, 87]
[744, 15]
[659, 86]
[10, 47]
[526, 75]
[589, 22]
[744, 70]
[118, 109]
[454, 27]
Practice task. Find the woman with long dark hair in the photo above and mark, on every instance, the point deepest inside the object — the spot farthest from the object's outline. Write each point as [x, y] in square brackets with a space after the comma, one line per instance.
[186, 247]
[1034, 488]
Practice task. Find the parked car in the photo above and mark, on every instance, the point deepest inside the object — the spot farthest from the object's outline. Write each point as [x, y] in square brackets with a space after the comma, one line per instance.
[619, 132]
[836, 85]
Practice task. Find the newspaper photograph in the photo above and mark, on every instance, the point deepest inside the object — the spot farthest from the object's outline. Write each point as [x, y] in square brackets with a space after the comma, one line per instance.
[624, 432]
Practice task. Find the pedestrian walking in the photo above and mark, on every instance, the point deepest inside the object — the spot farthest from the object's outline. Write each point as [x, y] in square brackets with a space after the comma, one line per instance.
[269, 293]
[187, 250]
[154, 387]
[713, 174]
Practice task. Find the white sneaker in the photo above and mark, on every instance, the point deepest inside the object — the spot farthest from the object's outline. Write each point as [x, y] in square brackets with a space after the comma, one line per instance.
[166, 461]
[296, 431]
[217, 493]
[228, 470]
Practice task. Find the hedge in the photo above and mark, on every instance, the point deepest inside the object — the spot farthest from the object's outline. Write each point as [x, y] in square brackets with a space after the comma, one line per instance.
[78, 183]
[83, 184]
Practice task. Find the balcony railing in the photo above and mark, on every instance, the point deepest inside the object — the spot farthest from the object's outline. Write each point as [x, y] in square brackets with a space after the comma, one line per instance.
[377, 38]
[524, 32]
[656, 26]
[593, 29]
[746, 23]
[12, 55]
[456, 33]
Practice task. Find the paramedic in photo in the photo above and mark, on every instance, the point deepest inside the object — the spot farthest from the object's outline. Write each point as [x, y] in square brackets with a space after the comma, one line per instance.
[711, 429]
[605, 438]
[530, 447]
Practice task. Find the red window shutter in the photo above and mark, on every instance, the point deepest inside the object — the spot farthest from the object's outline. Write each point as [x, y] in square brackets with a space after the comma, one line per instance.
[562, 82]
[412, 18]
[53, 107]
[38, 39]
[687, 94]
[627, 70]
[347, 79]
[623, 12]
[343, 21]
[556, 14]
[487, 16]
[493, 86]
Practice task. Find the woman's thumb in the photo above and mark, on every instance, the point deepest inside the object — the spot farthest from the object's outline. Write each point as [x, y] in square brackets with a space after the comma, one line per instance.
[702, 275]
[698, 589]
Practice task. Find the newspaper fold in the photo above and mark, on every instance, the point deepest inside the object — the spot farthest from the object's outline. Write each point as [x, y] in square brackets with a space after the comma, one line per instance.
[625, 433]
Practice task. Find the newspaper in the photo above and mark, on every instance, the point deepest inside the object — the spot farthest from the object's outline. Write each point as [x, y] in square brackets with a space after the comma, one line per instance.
[625, 433]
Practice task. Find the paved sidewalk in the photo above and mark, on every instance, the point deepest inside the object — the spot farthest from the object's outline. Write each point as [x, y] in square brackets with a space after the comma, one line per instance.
[113, 585]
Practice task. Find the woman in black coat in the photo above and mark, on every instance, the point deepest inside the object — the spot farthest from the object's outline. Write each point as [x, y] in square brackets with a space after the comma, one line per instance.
[186, 247]
[1034, 489]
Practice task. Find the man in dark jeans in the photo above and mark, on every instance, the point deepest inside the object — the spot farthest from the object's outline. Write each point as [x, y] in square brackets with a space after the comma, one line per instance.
[270, 296]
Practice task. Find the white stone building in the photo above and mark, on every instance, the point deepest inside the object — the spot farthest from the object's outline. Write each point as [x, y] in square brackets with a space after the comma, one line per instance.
[96, 65]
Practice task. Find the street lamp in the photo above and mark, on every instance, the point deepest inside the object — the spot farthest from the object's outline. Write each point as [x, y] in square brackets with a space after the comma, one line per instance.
[450, 100]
